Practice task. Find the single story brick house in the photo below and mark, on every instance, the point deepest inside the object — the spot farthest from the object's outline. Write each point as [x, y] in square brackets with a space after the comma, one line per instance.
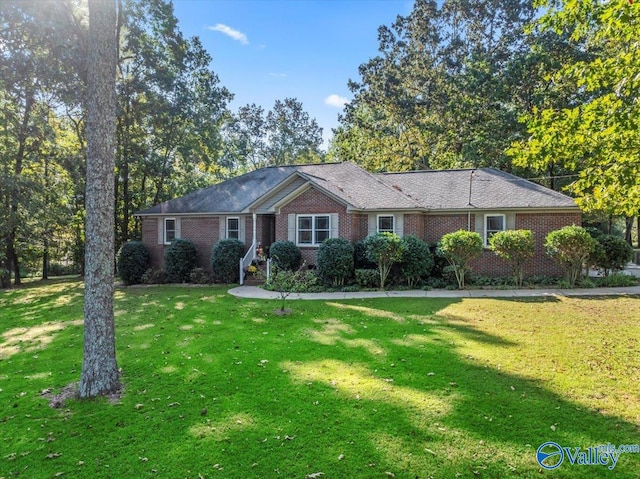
[309, 203]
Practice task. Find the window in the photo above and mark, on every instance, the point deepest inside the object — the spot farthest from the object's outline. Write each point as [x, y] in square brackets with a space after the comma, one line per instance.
[313, 229]
[492, 225]
[385, 223]
[169, 230]
[233, 228]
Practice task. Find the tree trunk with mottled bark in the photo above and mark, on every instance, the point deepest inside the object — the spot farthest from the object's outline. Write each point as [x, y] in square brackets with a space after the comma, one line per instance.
[99, 368]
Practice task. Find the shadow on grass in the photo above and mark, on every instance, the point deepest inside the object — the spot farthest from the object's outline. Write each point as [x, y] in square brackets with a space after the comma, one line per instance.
[221, 387]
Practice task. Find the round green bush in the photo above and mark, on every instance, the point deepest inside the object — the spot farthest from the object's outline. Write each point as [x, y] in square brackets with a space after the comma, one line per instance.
[225, 260]
[417, 260]
[612, 253]
[285, 255]
[335, 261]
[360, 258]
[132, 262]
[180, 259]
[570, 247]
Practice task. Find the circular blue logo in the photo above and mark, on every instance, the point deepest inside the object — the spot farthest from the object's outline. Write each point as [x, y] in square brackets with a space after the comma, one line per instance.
[550, 455]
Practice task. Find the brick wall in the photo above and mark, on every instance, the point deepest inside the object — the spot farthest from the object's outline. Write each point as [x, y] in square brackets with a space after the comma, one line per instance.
[414, 225]
[150, 239]
[436, 226]
[204, 232]
[313, 201]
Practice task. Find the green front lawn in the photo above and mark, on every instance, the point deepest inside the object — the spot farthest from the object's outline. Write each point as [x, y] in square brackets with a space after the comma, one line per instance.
[220, 387]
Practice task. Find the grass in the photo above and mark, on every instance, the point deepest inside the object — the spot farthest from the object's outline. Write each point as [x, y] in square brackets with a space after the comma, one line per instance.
[219, 387]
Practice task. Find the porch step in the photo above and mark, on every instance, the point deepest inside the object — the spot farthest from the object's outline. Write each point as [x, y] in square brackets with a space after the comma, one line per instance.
[248, 281]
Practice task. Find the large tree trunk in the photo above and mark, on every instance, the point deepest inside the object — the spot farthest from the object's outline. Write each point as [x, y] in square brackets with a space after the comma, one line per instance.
[99, 367]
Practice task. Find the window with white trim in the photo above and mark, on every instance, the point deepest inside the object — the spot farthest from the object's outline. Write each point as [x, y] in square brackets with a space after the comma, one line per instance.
[169, 230]
[492, 225]
[385, 223]
[313, 229]
[233, 228]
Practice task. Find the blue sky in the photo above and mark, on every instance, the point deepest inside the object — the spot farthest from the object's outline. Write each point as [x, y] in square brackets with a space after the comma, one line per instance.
[265, 50]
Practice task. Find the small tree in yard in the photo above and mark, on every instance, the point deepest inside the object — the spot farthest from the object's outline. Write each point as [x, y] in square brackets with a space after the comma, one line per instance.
[515, 246]
[570, 247]
[459, 248]
[417, 260]
[384, 249]
[335, 261]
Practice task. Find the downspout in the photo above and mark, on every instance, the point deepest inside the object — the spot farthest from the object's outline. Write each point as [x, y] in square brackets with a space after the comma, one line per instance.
[469, 204]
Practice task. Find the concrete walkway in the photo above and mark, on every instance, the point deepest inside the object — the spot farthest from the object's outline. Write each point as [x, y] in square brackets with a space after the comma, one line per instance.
[258, 293]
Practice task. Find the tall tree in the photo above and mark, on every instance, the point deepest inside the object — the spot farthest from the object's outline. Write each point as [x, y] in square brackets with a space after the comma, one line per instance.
[40, 43]
[170, 111]
[596, 136]
[285, 135]
[441, 93]
[99, 367]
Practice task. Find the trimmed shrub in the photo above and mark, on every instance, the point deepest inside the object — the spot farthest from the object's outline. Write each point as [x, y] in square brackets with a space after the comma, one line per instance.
[225, 260]
[180, 259]
[335, 261]
[385, 249]
[360, 258]
[417, 260]
[155, 276]
[201, 276]
[570, 247]
[367, 278]
[459, 248]
[610, 254]
[132, 262]
[285, 255]
[515, 246]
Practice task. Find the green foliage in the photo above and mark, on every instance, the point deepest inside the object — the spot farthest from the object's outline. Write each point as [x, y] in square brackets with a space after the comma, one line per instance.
[459, 248]
[385, 249]
[441, 100]
[285, 255]
[595, 135]
[285, 135]
[180, 259]
[360, 258]
[225, 260]
[132, 261]
[335, 261]
[367, 278]
[611, 253]
[155, 276]
[201, 276]
[515, 246]
[417, 260]
[616, 280]
[570, 247]
[286, 282]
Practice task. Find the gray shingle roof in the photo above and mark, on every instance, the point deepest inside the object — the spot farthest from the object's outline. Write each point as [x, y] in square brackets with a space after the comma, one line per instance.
[230, 196]
[483, 188]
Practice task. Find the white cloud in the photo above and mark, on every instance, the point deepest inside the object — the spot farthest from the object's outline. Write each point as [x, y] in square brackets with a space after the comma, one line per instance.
[335, 100]
[278, 75]
[231, 32]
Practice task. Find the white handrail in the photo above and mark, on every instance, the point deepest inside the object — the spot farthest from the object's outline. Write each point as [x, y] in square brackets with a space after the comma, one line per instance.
[246, 261]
